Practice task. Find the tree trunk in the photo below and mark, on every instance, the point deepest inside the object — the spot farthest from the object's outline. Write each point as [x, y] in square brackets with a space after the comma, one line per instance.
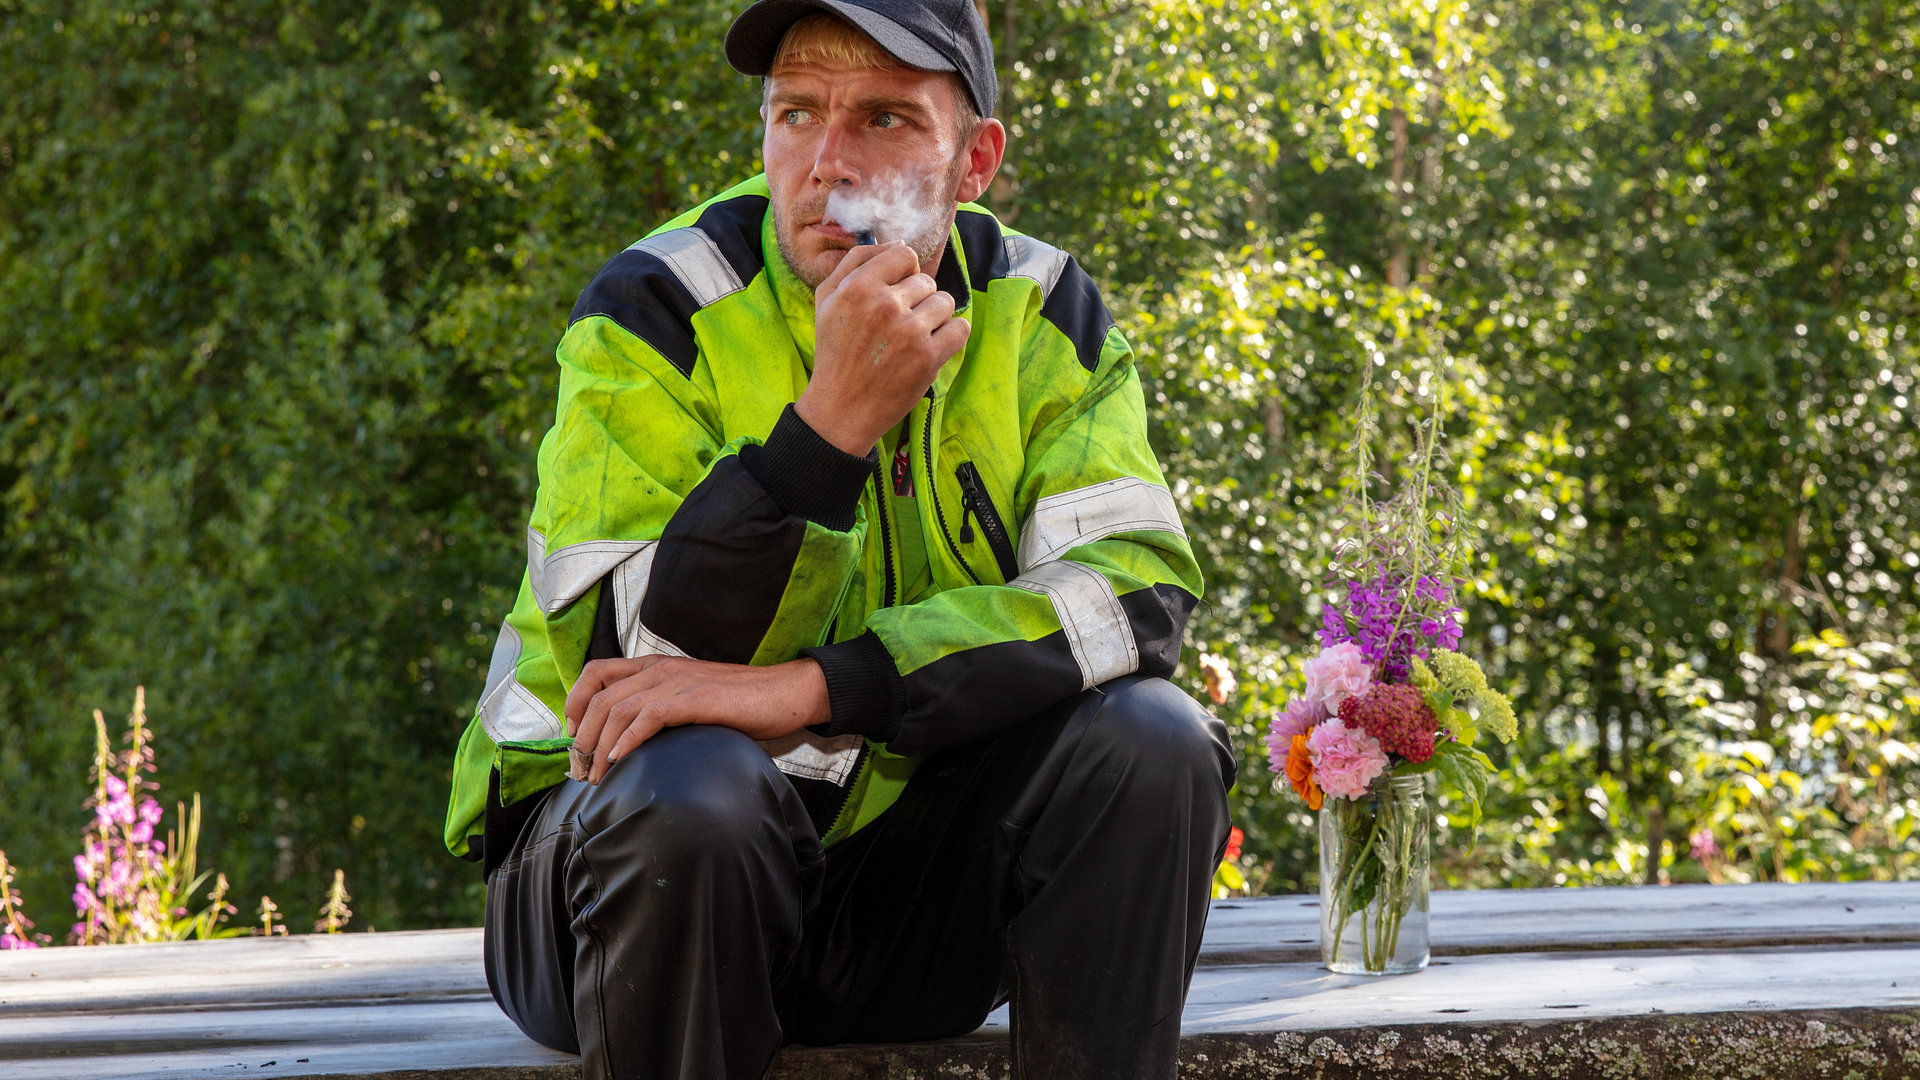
[1656, 838]
[1792, 568]
[1398, 260]
[1773, 630]
[1274, 422]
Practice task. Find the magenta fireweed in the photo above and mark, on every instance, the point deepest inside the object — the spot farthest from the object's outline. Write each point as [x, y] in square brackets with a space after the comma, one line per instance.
[1390, 631]
[134, 886]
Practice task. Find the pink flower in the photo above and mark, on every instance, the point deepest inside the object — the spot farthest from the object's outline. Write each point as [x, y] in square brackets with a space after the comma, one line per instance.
[1704, 847]
[1345, 761]
[1296, 719]
[1338, 673]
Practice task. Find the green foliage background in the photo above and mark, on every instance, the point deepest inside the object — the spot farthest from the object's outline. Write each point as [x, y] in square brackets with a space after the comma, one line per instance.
[279, 281]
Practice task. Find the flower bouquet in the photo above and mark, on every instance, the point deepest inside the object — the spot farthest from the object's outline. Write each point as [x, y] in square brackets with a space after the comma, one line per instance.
[1388, 703]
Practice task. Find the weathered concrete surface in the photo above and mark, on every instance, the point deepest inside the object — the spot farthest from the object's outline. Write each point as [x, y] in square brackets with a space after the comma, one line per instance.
[415, 1005]
[1827, 1045]
[1850, 1045]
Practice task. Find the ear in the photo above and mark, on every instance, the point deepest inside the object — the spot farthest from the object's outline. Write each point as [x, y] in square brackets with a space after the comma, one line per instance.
[983, 160]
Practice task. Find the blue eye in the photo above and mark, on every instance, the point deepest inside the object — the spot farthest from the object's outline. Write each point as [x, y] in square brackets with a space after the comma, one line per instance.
[887, 120]
[795, 116]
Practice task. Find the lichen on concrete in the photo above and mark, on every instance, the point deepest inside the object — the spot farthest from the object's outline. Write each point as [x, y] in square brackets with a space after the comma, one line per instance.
[1858, 1044]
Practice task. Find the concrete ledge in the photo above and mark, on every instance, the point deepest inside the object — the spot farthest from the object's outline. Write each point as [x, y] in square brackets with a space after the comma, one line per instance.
[1723, 998]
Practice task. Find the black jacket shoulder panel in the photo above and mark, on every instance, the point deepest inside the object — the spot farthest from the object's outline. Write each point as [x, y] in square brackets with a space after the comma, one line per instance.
[980, 243]
[1069, 299]
[653, 288]
[1074, 305]
[734, 226]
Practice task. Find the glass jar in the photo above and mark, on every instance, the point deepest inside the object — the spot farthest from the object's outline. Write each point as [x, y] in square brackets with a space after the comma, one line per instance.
[1374, 853]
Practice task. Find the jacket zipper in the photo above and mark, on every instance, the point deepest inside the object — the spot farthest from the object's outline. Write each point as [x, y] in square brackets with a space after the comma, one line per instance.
[933, 489]
[977, 499]
[843, 799]
[886, 532]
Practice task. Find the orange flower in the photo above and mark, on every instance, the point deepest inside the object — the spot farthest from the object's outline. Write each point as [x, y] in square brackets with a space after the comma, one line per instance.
[1300, 773]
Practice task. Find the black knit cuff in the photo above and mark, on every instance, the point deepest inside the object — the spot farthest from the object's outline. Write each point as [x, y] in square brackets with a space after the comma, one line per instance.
[807, 476]
[864, 689]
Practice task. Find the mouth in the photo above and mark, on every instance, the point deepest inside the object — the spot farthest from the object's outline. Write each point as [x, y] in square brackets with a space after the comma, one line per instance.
[834, 233]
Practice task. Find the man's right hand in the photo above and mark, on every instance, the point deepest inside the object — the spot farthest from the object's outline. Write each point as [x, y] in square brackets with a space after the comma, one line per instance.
[882, 331]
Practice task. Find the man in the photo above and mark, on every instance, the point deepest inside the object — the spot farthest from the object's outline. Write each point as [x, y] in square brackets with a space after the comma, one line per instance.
[833, 707]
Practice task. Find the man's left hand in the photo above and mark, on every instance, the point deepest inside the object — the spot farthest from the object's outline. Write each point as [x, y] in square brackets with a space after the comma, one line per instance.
[618, 704]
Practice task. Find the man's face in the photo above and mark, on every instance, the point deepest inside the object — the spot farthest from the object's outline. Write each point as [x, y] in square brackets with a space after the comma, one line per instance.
[861, 128]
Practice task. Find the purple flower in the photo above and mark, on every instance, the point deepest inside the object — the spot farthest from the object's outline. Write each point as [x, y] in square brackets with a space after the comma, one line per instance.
[1375, 618]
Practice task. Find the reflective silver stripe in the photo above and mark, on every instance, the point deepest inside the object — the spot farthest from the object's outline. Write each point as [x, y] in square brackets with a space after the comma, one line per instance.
[506, 654]
[801, 754]
[562, 577]
[516, 715]
[1035, 260]
[508, 711]
[696, 260]
[1083, 515]
[813, 757]
[1089, 611]
[629, 589]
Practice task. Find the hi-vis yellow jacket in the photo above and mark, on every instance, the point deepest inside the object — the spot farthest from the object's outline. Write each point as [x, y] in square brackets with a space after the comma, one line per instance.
[1011, 544]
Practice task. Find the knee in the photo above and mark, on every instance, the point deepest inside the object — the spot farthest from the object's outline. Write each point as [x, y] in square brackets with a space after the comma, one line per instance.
[692, 792]
[1162, 736]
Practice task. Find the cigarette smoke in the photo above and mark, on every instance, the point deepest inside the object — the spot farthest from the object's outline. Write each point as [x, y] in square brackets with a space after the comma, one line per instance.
[900, 206]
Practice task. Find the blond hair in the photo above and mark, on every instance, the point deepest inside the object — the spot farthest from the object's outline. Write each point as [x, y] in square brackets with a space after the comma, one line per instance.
[826, 39]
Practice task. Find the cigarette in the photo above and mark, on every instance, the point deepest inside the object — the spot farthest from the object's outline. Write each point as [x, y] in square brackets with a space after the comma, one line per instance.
[863, 237]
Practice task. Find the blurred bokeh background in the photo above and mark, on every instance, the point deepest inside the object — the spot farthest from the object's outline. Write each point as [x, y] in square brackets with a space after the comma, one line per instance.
[280, 281]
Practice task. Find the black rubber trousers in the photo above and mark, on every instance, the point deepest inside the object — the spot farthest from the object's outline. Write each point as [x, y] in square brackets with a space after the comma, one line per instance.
[680, 921]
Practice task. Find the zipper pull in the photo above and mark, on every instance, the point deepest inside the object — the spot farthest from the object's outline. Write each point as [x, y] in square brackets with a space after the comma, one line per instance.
[966, 520]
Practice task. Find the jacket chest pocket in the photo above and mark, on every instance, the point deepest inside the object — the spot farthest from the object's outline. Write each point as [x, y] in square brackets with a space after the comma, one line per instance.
[971, 519]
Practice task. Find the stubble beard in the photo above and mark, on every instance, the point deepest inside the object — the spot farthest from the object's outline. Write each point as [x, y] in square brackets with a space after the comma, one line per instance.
[926, 243]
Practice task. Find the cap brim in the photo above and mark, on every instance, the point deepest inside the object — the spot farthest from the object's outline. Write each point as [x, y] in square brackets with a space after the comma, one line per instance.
[754, 38]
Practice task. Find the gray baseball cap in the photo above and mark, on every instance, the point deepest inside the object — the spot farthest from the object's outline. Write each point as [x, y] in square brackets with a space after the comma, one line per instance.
[932, 35]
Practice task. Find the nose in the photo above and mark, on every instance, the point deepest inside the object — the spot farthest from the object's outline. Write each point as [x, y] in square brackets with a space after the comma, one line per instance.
[838, 160]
